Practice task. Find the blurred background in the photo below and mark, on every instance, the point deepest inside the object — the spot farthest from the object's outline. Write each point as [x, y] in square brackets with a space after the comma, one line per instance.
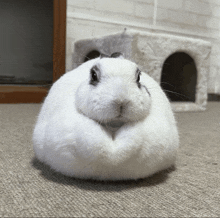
[27, 28]
[198, 19]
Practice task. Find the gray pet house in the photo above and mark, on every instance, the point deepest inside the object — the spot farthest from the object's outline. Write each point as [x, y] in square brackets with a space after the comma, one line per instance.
[179, 64]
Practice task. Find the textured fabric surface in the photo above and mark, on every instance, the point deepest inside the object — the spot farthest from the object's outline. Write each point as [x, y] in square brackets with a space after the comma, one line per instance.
[29, 188]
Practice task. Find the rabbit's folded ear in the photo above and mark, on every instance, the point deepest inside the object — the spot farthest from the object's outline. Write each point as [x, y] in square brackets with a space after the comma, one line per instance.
[113, 55]
[117, 55]
[102, 55]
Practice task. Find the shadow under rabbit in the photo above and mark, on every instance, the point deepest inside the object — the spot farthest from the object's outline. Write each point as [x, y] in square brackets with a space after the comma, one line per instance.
[97, 185]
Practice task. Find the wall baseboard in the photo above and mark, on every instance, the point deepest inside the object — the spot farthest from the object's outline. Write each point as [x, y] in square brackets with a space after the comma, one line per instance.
[22, 94]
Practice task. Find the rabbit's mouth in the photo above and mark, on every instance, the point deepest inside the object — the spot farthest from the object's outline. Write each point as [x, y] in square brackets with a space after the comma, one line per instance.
[113, 125]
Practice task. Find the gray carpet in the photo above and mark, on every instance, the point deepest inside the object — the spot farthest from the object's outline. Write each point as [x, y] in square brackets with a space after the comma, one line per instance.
[28, 188]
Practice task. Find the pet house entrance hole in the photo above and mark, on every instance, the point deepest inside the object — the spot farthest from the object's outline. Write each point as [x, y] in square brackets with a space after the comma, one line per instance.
[179, 77]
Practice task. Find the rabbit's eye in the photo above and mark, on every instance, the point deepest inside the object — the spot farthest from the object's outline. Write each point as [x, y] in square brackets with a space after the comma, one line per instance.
[94, 77]
[138, 73]
[138, 78]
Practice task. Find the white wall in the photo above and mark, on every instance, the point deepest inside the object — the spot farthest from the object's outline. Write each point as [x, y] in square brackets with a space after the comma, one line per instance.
[192, 18]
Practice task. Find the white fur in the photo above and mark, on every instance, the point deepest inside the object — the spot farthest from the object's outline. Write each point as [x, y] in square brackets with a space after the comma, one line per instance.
[72, 134]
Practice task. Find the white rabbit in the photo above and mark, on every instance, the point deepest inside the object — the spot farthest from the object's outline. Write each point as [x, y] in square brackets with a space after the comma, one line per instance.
[106, 120]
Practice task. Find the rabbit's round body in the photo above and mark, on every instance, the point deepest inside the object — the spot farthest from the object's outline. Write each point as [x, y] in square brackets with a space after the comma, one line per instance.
[106, 120]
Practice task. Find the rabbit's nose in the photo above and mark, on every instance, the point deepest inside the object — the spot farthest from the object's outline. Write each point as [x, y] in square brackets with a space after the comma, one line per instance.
[121, 105]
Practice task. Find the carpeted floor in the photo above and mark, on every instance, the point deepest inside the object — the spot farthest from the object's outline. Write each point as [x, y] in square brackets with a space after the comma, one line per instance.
[30, 189]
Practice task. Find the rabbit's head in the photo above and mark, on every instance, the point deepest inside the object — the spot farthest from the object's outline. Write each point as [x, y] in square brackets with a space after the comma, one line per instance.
[113, 93]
